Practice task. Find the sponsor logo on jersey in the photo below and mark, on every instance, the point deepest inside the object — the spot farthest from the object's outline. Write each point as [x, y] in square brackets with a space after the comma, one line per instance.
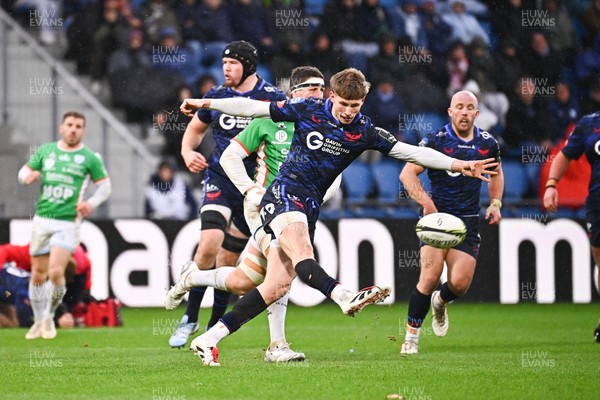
[229, 122]
[79, 158]
[483, 152]
[596, 130]
[281, 103]
[314, 140]
[295, 200]
[49, 162]
[352, 137]
[463, 146]
[448, 150]
[269, 89]
[281, 136]
[64, 157]
[315, 119]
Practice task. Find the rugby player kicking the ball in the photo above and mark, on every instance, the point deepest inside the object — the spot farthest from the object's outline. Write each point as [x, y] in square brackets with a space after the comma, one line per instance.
[329, 135]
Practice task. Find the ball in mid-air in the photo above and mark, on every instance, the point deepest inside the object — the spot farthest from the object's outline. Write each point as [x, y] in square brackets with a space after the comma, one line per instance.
[441, 230]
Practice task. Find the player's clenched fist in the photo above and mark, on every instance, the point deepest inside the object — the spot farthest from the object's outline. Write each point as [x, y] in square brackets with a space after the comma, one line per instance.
[194, 161]
[189, 106]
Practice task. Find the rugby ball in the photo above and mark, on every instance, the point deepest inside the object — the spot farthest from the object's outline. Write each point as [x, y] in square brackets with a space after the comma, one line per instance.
[441, 230]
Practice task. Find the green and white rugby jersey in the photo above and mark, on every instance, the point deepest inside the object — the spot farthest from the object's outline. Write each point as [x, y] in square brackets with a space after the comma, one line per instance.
[65, 176]
[271, 141]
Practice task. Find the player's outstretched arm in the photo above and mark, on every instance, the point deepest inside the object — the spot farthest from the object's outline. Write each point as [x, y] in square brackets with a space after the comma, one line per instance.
[410, 180]
[557, 169]
[238, 106]
[495, 190]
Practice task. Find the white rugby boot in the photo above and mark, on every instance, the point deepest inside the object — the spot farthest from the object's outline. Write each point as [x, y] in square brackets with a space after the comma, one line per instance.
[439, 316]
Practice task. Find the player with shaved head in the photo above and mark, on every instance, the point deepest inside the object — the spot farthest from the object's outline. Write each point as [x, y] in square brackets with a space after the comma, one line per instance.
[454, 194]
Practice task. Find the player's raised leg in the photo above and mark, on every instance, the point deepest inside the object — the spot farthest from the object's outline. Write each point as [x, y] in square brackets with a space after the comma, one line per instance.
[294, 239]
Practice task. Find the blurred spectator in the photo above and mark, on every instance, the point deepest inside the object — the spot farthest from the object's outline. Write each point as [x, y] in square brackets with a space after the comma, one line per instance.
[384, 106]
[437, 32]
[111, 35]
[387, 63]
[457, 68]
[405, 21]
[170, 125]
[562, 112]
[591, 21]
[324, 56]
[507, 21]
[373, 21]
[133, 56]
[250, 22]
[561, 36]
[169, 56]
[473, 7]
[425, 80]
[216, 32]
[482, 69]
[188, 18]
[157, 16]
[342, 17]
[97, 31]
[525, 121]
[204, 84]
[508, 66]
[168, 196]
[289, 57]
[587, 64]
[591, 102]
[541, 62]
[465, 26]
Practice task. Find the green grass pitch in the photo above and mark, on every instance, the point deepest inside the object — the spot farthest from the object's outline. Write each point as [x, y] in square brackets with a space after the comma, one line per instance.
[524, 351]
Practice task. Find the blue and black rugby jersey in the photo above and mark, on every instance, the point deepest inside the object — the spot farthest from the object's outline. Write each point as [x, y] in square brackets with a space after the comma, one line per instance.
[452, 192]
[585, 138]
[225, 127]
[322, 147]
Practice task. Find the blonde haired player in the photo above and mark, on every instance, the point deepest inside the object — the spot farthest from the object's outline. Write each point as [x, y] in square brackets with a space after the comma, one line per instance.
[271, 141]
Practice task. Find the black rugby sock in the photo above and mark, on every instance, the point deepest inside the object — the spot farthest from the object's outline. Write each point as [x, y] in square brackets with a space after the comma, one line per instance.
[244, 310]
[221, 301]
[194, 300]
[446, 294]
[417, 308]
[311, 273]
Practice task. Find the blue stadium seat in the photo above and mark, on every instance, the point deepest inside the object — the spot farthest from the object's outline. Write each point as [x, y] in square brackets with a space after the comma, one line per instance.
[357, 182]
[515, 181]
[386, 173]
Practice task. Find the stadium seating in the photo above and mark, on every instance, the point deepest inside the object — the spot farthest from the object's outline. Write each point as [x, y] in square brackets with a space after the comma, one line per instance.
[386, 174]
[357, 182]
[515, 181]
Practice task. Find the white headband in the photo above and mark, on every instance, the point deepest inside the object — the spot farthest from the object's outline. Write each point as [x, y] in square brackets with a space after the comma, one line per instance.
[311, 82]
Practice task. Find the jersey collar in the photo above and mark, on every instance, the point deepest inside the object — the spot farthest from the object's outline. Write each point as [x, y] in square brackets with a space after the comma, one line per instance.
[451, 132]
